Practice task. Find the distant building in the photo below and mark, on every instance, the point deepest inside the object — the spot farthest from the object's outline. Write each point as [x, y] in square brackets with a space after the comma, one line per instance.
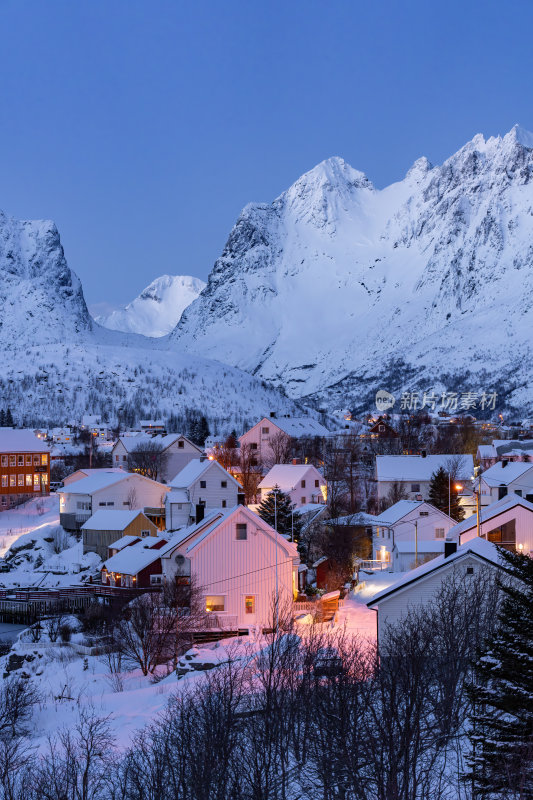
[24, 467]
[303, 482]
[505, 477]
[111, 490]
[177, 449]
[412, 474]
[507, 522]
[264, 436]
[406, 524]
[108, 526]
[203, 484]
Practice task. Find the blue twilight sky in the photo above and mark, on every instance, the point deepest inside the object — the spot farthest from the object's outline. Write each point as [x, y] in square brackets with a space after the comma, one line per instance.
[142, 126]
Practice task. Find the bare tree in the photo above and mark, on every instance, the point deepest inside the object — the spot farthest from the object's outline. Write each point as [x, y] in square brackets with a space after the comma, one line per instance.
[145, 635]
[281, 446]
[249, 473]
[148, 458]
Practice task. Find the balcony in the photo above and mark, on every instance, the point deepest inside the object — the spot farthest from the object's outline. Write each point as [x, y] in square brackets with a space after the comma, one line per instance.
[74, 521]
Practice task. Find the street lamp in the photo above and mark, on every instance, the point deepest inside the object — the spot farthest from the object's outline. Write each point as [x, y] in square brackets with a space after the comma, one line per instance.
[275, 492]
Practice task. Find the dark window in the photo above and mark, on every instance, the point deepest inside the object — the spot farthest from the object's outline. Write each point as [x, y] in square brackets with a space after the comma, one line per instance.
[224, 484]
[518, 492]
[241, 533]
[470, 570]
[317, 484]
[265, 430]
[303, 484]
[253, 445]
[502, 491]
[424, 513]
[181, 443]
[223, 504]
[415, 487]
[203, 484]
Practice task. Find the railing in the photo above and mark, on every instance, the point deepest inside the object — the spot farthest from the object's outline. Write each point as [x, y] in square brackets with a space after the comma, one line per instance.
[221, 621]
[374, 565]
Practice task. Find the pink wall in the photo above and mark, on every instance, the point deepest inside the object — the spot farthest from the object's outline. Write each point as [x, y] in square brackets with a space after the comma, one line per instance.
[523, 521]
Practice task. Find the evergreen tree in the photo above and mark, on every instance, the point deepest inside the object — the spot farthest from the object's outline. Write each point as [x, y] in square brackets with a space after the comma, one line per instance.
[443, 494]
[278, 513]
[9, 419]
[2, 418]
[501, 733]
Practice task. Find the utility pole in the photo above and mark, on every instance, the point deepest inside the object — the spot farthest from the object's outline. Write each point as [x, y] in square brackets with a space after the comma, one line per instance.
[416, 544]
[276, 529]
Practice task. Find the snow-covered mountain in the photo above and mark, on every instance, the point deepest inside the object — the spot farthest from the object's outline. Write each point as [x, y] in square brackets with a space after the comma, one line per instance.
[157, 310]
[57, 363]
[337, 288]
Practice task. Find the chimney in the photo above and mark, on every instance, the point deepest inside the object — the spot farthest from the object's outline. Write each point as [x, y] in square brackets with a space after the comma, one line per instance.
[449, 548]
[424, 453]
[505, 461]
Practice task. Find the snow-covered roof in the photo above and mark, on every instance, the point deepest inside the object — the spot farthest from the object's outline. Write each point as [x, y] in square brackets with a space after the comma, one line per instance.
[487, 451]
[131, 560]
[110, 520]
[422, 546]
[93, 483]
[286, 476]
[195, 469]
[133, 442]
[177, 496]
[489, 512]
[85, 473]
[17, 441]
[358, 519]
[420, 468]
[477, 547]
[503, 445]
[124, 541]
[300, 426]
[499, 475]
[398, 511]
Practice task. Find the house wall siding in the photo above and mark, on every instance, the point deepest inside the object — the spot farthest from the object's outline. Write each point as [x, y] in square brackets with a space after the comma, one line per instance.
[524, 527]
[99, 541]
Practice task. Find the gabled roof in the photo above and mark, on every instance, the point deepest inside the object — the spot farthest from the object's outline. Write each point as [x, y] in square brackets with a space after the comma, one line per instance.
[486, 551]
[489, 512]
[286, 476]
[131, 443]
[498, 475]
[131, 560]
[402, 508]
[419, 468]
[15, 441]
[124, 541]
[195, 469]
[110, 520]
[504, 445]
[358, 519]
[300, 426]
[487, 451]
[93, 483]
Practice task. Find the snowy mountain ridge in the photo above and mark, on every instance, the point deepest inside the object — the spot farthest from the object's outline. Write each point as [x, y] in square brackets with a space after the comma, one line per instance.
[157, 310]
[336, 288]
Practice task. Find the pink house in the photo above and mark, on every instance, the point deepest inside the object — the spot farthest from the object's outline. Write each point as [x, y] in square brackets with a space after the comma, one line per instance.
[267, 436]
[507, 522]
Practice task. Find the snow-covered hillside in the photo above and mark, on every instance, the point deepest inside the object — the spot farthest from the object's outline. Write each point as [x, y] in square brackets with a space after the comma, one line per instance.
[157, 310]
[337, 288]
[57, 363]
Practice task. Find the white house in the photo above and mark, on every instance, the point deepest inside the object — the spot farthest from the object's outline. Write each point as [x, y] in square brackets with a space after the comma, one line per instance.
[201, 485]
[507, 522]
[178, 451]
[116, 490]
[234, 557]
[420, 585]
[413, 473]
[409, 523]
[303, 482]
[264, 433]
[505, 477]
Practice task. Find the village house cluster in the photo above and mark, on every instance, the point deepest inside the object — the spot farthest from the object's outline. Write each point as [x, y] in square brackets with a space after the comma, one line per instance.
[290, 509]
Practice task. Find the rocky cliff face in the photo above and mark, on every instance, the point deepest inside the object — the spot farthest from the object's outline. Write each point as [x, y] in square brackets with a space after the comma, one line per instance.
[41, 299]
[157, 310]
[337, 288]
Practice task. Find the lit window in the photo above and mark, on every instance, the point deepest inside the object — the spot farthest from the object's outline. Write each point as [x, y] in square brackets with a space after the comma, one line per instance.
[28, 480]
[4, 480]
[241, 533]
[44, 458]
[249, 604]
[44, 478]
[21, 480]
[36, 480]
[12, 480]
[214, 602]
